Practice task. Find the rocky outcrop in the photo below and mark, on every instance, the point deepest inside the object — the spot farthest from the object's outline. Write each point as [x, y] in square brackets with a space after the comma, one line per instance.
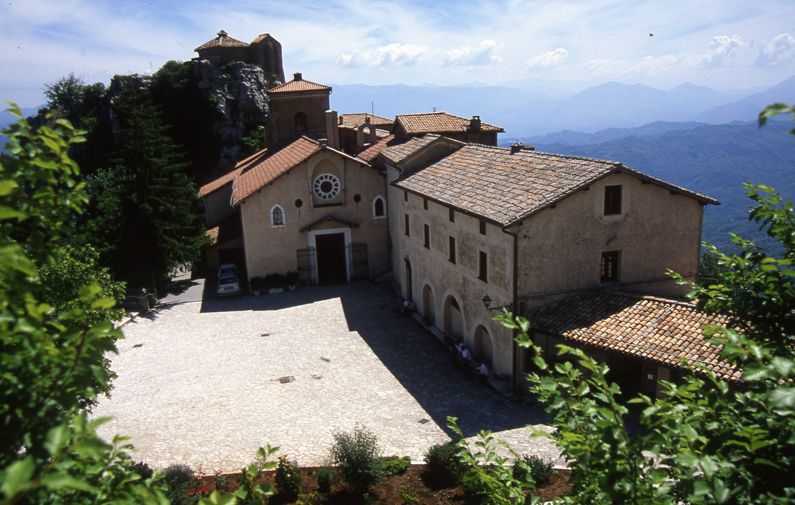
[238, 92]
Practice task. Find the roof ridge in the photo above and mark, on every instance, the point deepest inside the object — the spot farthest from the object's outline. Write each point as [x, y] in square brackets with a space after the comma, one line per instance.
[650, 298]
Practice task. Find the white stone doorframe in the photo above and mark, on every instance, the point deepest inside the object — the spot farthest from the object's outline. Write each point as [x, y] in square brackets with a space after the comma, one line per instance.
[331, 231]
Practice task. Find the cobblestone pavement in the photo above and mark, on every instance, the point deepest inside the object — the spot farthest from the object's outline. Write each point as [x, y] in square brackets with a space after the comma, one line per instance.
[198, 380]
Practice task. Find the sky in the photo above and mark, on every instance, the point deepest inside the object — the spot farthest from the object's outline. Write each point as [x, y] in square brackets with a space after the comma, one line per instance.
[727, 45]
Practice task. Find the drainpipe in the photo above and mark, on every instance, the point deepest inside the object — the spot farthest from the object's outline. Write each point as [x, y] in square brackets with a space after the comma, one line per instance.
[515, 310]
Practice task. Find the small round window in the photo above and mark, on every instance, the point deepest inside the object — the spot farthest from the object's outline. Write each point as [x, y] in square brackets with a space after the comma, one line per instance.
[326, 186]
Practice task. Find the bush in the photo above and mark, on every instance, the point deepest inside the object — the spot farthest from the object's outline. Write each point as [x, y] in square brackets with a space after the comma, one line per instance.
[274, 281]
[292, 278]
[288, 479]
[532, 469]
[324, 480]
[444, 465]
[356, 455]
[257, 284]
[142, 469]
[480, 488]
[179, 480]
[394, 465]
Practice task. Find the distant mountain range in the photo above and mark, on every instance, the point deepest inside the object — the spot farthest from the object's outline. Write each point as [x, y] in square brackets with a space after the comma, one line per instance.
[711, 159]
[524, 111]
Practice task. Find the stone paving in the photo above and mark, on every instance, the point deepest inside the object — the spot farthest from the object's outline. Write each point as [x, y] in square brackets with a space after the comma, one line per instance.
[199, 380]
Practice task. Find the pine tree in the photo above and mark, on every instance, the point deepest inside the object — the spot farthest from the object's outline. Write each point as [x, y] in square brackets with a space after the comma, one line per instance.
[148, 208]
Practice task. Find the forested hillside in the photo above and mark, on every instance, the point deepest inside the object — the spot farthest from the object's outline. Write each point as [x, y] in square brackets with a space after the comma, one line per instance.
[711, 159]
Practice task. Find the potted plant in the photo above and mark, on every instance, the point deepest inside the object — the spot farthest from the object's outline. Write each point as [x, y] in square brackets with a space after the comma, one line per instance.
[275, 283]
[292, 279]
[257, 284]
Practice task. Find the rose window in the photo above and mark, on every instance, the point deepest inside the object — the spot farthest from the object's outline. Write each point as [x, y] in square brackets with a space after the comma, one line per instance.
[326, 186]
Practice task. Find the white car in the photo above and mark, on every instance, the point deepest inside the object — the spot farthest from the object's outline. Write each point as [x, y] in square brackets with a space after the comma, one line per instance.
[228, 283]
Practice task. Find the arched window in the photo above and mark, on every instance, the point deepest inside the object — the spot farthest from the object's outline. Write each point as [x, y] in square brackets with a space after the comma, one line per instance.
[277, 215]
[300, 122]
[379, 207]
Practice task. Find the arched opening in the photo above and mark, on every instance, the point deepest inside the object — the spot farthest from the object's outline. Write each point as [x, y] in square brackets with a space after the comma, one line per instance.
[453, 318]
[483, 351]
[427, 305]
[408, 286]
[379, 207]
[300, 122]
[277, 216]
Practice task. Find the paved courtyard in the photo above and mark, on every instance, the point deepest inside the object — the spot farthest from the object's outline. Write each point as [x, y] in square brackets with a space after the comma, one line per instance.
[199, 380]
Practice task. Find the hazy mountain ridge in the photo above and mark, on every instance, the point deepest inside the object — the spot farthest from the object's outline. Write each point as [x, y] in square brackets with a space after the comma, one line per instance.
[525, 112]
[711, 159]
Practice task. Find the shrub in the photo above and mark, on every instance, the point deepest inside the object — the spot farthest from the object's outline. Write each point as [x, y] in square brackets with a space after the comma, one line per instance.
[408, 495]
[257, 284]
[179, 479]
[291, 278]
[444, 465]
[532, 469]
[274, 281]
[480, 488]
[288, 479]
[324, 480]
[142, 469]
[309, 499]
[394, 465]
[356, 455]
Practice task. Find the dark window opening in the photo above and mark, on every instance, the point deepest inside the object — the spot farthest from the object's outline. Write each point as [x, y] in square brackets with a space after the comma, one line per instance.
[610, 266]
[452, 216]
[426, 236]
[482, 227]
[425, 203]
[612, 200]
[405, 196]
[406, 225]
[451, 250]
[483, 267]
[378, 207]
[300, 122]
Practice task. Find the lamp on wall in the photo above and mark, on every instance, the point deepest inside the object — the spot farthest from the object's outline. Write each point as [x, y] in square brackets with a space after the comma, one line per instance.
[487, 303]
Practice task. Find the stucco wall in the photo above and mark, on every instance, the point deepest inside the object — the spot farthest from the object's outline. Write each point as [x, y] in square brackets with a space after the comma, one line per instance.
[284, 109]
[431, 267]
[560, 248]
[272, 249]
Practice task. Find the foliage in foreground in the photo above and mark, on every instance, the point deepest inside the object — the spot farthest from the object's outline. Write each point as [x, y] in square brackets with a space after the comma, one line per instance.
[356, 456]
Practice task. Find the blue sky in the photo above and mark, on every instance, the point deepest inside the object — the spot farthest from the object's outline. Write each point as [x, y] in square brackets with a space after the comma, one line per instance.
[725, 45]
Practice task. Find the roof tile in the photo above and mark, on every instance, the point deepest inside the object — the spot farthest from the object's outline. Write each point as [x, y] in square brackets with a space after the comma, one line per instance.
[225, 179]
[298, 86]
[267, 169]
[438, 122]
[493, 183]
[666, 331]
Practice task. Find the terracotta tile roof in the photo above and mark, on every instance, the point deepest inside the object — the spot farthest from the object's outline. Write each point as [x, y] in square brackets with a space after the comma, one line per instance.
[374, 150]
[222, 181]
[400, 152]
[222, 40]
[261, 37]
[665, 331]
[265, 170]
[357, 118]
[492, 183]
[437, 122]
[298, 86]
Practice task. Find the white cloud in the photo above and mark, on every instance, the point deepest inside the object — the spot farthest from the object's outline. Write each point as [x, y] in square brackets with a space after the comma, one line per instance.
[548, 59]
[482, 54]
[391, 54]
[723, 50]
[777, 52]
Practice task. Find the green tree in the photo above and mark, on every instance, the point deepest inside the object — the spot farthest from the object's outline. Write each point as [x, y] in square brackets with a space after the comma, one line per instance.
[148, 210]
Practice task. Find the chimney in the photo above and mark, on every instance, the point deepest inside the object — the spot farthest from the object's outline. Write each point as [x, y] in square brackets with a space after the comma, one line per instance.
[297, 76]
[332, 129]
[516, 147]
[474, 124]
[323, 142]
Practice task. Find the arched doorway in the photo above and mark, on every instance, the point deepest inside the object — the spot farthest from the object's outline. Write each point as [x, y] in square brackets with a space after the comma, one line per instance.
[427, 305]
[409, 290]
[483, 351]
[453, 318]
[300, 122]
